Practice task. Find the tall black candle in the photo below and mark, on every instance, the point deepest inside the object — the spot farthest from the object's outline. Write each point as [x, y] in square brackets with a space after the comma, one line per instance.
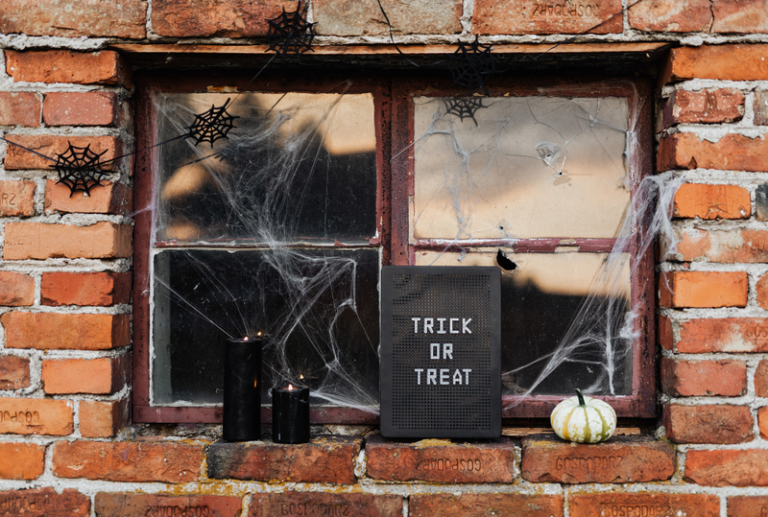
[290, 414]
[242, 399]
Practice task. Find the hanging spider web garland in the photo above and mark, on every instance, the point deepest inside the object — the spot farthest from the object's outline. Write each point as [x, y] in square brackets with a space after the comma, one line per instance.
[471, 65]
[211, 125]
[79, 168]
[291, 33]
[464, 107]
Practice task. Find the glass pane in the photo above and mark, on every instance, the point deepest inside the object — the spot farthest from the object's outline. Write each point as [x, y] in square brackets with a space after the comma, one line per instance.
[296, 167]
[564, 320]
[321, 307]
[523, 167]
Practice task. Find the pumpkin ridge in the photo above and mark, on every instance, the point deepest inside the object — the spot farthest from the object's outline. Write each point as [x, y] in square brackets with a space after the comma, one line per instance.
[604, 432]
[566, 432]
[587, 429]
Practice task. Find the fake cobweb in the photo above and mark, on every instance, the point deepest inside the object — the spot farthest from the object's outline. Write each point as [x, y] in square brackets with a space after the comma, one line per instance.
[276, 229]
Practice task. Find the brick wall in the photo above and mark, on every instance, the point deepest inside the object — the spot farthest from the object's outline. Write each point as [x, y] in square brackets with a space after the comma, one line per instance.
[67, 446]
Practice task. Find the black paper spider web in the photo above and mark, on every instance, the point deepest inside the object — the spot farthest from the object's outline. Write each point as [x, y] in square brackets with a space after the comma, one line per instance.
[464, 107]
[471, 65]
[79, 168]
[290, 33]
[211, 125]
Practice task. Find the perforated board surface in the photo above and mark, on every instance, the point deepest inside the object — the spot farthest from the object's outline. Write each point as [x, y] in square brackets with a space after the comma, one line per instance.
[440, 352]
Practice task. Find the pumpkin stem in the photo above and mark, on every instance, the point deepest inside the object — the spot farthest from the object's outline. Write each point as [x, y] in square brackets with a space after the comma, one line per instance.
[581, 397]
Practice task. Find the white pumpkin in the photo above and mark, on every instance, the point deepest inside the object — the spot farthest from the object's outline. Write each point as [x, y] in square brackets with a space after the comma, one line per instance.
[583, 419]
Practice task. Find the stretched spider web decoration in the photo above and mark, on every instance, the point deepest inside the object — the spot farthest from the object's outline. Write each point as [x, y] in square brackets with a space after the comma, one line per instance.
[464, 107]
[211, 125]
[471, 65]
[290, 33]
[79, 168]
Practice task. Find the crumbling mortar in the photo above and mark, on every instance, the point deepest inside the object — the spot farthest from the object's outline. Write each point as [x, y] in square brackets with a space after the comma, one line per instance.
[68, 309]
[468, 9]
[66, 265]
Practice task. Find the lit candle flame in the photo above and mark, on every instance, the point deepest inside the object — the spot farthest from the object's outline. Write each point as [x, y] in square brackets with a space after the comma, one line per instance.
[301, 376]
[245, 338]
[290, 387]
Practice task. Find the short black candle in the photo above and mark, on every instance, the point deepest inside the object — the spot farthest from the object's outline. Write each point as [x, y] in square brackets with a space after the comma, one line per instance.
[242, 399]
[290, 414]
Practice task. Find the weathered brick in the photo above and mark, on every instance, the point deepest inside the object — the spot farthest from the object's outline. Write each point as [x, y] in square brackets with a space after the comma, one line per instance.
[50, 331]
[17, 198]
[364, 17]
[708, 424]
[319, 503]
[95, 376]
[128, 461]
[547, 459]
[664, 331]
[42, 241]
[63, 66]
[17, 158]
[103, 419]
[102, 289]
[723, 246]
[724, 62]
[734, 335]
[740, 16]
[762, 422]
[724, 378]
[19, 108]
[727, 467]
[80, 108]
[671, 16]
[723, 105]
[748, 506]
[703, 289]
[648, 504]
[141, 505]
[115, 18]
[483, 505]
[761, 378]
[44, 502]
[323, 460]
[16, 289]
[441, 462]
[731, 152]
[544, 17]
[760, 106]
[711, 201]
[762, 291]
[21, 461]
[14, 372]
[109, 198]
[220, 18]
[36, 416]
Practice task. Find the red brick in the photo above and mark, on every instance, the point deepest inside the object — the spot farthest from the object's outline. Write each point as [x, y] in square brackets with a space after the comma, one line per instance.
[622, 460]
[220, 18]
[484, 505]
[319, 503]
[717, 106]
[712, 202]
[723, 62]
[80, 109]
[63, 66]
[128, 461]
[708, 424]
[748, 506]
[42, 241]
[50, 331]
[102, 289]
[109, 198]
[734, 335]
[364, 18]
[19, 108]
[21, 461]
[671, 16]
[95, 376]
[762, 422]
[637, 505]
[740, 16]
[44, 502]
[323, 460]
[17, 158]
[761, 378]
[723, 246]
[724, 378]
[727, 468]
[441, 462]
[17, 198]
[731, 152]
[14, 372]
[544, 17]
[36, 416]
[703, 289]
[16, 289]
[760, 106]
[665, 333]
[103, 419]
[139, 505]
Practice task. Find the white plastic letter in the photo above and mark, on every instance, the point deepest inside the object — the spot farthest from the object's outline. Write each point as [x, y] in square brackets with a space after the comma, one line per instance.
[418, 374]
[448, 351]
[444, 376]
[442, 326]
[450, 325]
[432, 376]
[464, 325]
[428, 322]
[415, 325]
[457, 377]
[466, 373]
[434, 351]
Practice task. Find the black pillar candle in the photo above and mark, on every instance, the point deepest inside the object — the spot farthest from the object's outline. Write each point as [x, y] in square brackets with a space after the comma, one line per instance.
[242, 399]
[290, 414]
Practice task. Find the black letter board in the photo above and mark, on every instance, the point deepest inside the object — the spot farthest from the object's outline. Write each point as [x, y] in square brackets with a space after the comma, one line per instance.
[440, 352]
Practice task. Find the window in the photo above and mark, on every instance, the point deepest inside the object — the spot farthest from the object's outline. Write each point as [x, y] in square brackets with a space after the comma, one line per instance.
[284, 227]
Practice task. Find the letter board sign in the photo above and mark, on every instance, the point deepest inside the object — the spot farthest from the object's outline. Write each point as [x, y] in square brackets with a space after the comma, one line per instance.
[440, 352]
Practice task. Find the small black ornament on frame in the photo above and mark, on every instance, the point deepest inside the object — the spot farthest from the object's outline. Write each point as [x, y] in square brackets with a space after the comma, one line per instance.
[290, 33]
